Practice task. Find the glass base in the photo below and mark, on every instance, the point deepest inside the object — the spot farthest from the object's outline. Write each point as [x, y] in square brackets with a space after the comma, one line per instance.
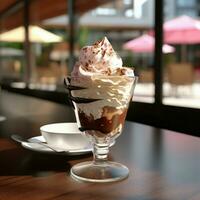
[104, 172]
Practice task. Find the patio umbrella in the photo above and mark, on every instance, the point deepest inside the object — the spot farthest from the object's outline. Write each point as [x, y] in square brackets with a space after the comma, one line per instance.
[36, 35]
[145, 44]
[182, 30]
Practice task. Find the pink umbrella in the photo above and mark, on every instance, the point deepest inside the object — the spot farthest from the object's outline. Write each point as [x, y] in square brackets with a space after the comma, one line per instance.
[182, 30]
[145, 44]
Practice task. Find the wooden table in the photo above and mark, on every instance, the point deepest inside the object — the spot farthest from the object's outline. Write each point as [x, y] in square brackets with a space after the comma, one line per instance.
[164, 165]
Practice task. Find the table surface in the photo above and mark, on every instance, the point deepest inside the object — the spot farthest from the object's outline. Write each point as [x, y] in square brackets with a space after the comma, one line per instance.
[164, 165]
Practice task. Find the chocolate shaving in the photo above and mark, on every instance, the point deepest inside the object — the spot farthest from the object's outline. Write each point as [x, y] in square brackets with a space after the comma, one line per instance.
[103, 53]
[84, 48]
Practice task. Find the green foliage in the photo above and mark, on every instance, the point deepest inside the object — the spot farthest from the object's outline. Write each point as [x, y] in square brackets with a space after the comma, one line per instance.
[168, 58]
[83, 36]
[129, 60]
[15, 45]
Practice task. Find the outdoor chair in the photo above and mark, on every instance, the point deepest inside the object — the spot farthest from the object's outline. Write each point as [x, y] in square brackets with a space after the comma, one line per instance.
[146, 76]
[180, 74]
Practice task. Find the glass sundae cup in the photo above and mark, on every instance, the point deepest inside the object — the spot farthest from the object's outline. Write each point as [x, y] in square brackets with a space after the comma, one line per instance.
[100, 108]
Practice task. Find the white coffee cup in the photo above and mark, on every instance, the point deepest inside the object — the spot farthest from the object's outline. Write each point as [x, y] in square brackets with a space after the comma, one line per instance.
[65, 136]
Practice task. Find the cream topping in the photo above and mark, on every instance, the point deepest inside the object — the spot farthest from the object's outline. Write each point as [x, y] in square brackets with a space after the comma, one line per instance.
[100, 59]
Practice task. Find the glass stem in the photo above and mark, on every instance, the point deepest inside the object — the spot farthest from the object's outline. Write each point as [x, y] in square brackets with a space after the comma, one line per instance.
[100, 153]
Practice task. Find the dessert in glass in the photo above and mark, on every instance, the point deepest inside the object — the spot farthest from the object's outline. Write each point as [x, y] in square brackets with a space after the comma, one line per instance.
[100, 90]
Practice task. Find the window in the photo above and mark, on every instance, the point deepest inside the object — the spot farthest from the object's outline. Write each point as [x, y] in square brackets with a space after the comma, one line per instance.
[122, 22]
[170, 103]
[182, 68]
[50, 48]
[12, 52]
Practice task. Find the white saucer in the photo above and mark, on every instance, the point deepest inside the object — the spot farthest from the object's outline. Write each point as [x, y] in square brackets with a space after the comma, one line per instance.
[34, 146]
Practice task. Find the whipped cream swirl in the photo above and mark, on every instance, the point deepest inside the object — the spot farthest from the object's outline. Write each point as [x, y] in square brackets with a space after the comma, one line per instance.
[100, 59]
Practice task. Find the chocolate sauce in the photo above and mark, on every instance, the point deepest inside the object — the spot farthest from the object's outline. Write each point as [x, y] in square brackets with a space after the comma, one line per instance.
[76, 99]
[102, 124]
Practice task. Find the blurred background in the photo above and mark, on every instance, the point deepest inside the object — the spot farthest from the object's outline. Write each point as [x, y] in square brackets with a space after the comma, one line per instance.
[40, 41]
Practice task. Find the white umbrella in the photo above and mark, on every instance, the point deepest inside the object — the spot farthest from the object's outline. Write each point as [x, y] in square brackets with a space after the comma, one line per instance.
[36, 34]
